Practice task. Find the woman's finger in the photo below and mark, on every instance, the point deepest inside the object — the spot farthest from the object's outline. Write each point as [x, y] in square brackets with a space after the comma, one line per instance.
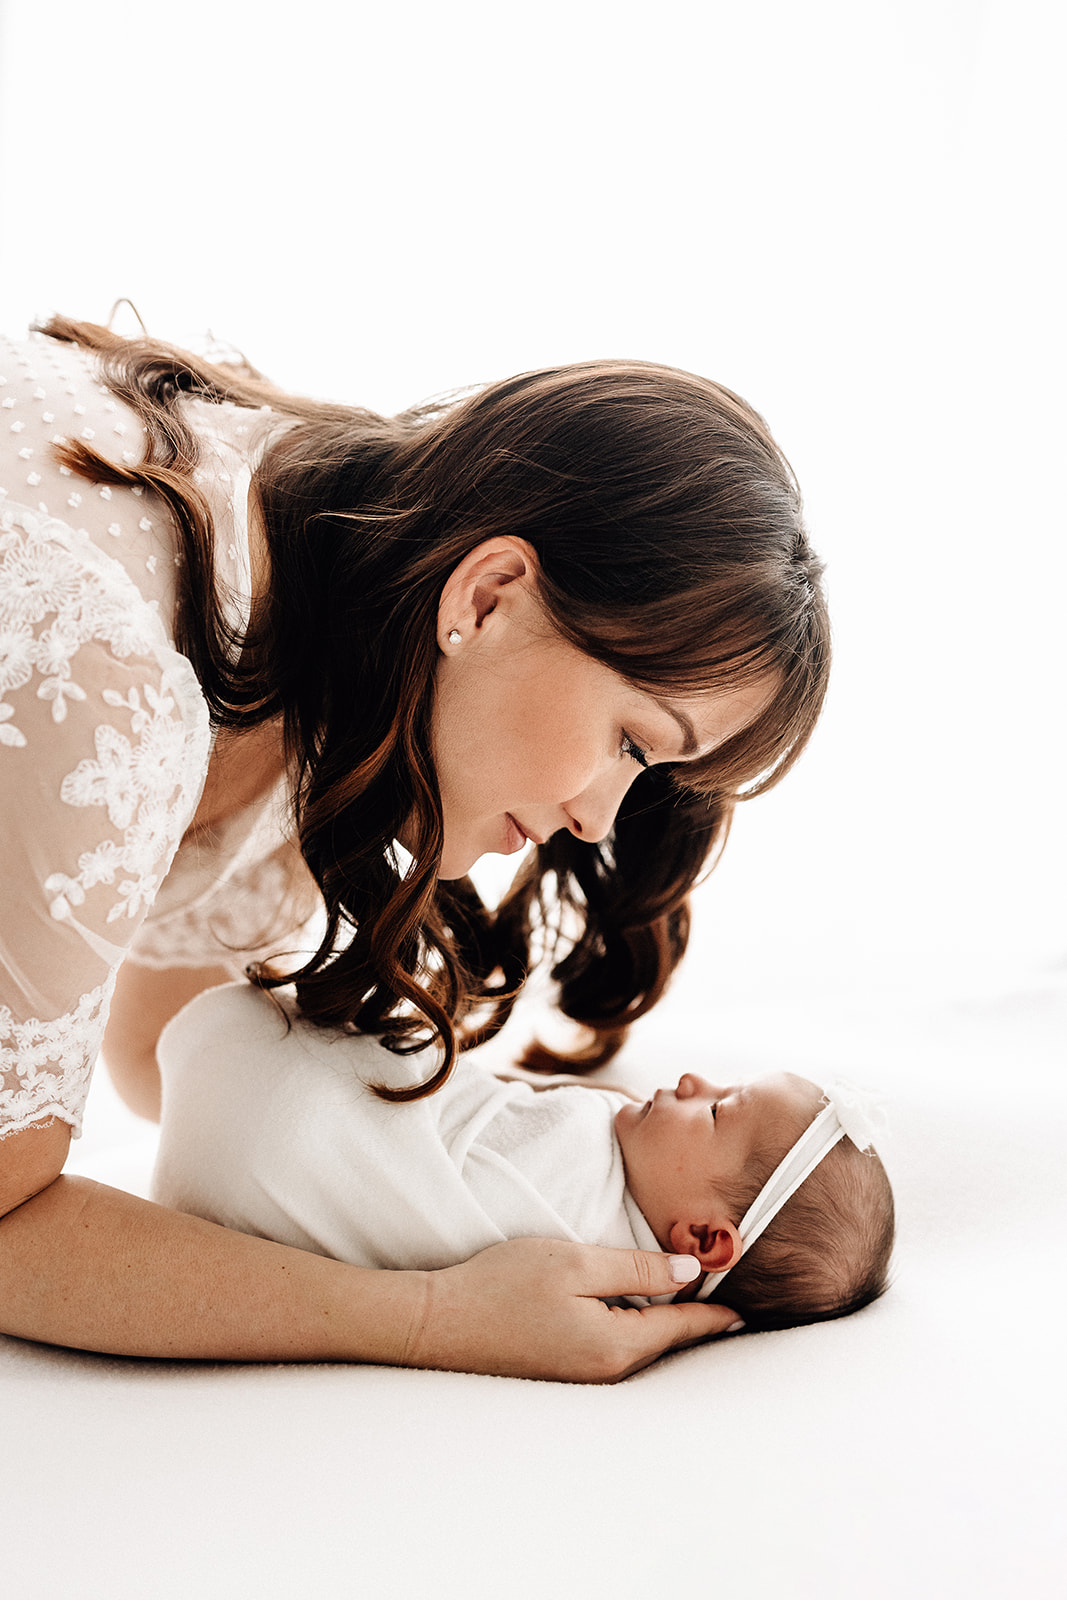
[653, 1331]
[639, 1274]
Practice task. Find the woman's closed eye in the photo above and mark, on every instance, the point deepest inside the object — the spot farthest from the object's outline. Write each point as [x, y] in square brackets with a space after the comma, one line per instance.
[631, 748]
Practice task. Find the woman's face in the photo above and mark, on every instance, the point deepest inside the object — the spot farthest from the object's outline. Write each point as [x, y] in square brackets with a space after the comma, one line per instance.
[531, 736]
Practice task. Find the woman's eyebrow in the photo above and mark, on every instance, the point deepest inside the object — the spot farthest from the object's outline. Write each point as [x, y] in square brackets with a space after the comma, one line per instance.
[689, 748]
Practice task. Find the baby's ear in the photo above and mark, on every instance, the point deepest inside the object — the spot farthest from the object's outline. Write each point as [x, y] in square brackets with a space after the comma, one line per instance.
[715, 1245]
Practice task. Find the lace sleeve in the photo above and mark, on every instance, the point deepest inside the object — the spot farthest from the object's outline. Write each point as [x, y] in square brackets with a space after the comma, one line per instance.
[103, 748]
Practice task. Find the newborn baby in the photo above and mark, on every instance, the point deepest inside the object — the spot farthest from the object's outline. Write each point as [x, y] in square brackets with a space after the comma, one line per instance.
[272, 1126]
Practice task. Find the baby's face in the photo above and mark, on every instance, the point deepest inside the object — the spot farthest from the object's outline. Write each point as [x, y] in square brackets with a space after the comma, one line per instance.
[685, 1145]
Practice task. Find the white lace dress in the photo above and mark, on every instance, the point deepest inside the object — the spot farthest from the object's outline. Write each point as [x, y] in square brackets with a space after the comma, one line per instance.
[104, 734]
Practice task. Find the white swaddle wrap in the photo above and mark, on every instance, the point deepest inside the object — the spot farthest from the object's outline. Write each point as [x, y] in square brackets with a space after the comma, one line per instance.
[276, 1132]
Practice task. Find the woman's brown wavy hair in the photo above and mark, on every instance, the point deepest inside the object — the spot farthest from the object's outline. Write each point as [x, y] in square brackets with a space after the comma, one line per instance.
[668, 529]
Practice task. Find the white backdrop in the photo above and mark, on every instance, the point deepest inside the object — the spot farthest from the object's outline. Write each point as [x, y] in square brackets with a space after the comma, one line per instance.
[851, 214]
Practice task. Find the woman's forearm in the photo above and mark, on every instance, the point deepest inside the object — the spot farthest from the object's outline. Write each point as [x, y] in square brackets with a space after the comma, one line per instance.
[93, 1268]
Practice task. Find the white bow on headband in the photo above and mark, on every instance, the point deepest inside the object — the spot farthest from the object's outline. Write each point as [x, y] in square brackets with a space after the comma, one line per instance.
[849, 1113]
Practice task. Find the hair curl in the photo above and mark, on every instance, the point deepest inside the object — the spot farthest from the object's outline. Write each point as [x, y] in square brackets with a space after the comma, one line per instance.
[668, 529]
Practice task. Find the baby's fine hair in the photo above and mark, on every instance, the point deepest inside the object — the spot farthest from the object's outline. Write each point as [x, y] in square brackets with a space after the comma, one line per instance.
[827, 1252]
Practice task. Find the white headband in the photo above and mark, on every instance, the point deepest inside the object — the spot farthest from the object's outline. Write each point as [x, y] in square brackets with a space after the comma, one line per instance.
[850, 1113]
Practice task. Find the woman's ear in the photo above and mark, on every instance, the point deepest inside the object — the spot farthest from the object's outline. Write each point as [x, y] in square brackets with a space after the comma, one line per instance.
[716, 1246]
[497, 571]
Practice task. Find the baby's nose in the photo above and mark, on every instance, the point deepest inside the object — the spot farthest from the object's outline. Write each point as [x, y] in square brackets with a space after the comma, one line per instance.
[687, 1085]
[690, 1083]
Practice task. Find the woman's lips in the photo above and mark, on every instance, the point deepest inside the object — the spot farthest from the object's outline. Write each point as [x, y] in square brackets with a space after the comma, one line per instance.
[517, 836]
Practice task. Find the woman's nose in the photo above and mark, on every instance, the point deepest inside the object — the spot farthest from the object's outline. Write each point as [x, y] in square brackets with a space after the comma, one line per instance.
[592, 813]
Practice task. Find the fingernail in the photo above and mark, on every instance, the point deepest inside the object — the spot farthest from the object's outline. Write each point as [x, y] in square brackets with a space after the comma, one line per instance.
[735, 1327]
[683, 1269]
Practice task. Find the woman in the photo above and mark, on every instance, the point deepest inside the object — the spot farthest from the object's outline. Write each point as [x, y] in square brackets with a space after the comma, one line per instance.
[577, 608]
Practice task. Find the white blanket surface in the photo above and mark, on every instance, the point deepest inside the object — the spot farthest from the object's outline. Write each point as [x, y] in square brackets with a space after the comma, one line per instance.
[913, 1450]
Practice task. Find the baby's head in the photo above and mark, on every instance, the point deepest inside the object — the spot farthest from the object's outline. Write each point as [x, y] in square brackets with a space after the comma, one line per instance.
[696, 1159]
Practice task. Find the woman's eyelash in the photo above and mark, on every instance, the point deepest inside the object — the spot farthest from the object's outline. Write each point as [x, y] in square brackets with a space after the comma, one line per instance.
[632, 749]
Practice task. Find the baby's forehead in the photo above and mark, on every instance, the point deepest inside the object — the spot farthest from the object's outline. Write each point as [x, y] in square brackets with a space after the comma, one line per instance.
[786, 1089]
[785, 1103]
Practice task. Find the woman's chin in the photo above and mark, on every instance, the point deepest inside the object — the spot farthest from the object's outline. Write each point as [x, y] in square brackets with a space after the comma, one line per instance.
[449, 871]
[458, 859]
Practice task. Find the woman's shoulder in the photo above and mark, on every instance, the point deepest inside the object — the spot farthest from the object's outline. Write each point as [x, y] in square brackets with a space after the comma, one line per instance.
[51, 394]
[51, 390]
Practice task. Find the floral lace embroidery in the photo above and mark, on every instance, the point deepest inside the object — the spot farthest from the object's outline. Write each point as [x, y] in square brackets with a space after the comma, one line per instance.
[132, 781]
[141, 780]
[45, 1066]
[58, 593]
[39, 575]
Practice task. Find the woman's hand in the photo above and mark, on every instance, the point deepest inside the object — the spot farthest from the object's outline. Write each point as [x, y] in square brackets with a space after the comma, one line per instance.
[533, 1308]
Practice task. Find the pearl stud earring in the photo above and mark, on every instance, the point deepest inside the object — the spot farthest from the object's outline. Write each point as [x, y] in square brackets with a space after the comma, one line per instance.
[455, 637]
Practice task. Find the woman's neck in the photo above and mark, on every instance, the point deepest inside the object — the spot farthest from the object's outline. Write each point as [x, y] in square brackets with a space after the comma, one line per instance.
[244, 766]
